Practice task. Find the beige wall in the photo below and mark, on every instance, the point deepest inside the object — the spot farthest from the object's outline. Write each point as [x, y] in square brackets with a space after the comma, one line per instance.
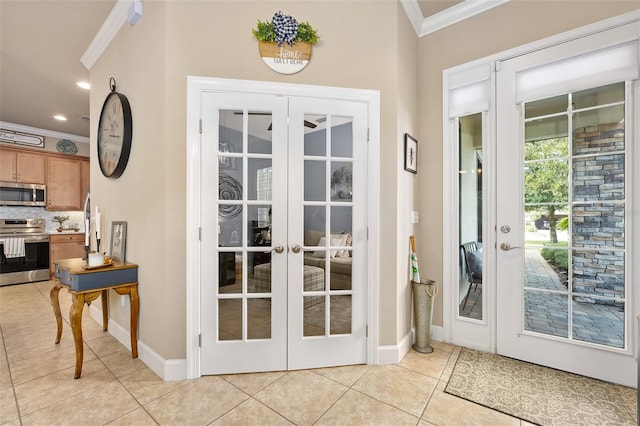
[513, 24]
[151, 62]
[374, 49]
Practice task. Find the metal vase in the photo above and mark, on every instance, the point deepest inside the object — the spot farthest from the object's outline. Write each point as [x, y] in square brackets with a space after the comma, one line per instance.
[423, 294]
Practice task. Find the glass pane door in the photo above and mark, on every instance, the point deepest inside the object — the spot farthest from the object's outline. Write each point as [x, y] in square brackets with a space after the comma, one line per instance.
[327, 216]
[244, 297]
[574, 209]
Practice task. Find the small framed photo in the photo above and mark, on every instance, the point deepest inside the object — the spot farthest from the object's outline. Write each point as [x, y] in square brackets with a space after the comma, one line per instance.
[410, 153]
[119, 241]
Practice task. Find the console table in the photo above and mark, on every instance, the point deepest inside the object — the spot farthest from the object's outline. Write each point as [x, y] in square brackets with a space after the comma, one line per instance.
[85, 285]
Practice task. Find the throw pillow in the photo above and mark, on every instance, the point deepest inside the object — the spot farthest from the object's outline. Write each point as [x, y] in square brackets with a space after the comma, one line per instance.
[347, 243]
[475, 264]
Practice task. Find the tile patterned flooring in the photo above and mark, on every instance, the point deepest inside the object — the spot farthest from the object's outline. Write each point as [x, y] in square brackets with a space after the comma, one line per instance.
[37, 385]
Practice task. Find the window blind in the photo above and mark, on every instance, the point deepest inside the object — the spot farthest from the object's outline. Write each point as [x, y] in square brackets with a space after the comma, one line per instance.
[598, 68]
[469, 91]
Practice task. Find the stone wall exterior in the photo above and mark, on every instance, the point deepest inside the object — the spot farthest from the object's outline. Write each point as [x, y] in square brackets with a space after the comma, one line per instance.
[598, 224]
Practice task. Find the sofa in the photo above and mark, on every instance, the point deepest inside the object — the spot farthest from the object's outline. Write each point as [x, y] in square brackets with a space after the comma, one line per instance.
[339, 260]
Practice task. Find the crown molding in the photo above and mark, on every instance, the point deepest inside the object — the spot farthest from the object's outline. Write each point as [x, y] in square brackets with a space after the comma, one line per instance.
[114, 22]
[414, 13]
[450, 16]
[42, 132]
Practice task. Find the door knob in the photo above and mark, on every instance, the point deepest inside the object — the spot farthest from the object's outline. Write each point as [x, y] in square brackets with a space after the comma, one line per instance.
[507, 247]
[296, 248]
[278, 248]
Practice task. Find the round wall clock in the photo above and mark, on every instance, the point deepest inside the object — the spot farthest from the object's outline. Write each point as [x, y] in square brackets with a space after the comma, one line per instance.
[114, 133]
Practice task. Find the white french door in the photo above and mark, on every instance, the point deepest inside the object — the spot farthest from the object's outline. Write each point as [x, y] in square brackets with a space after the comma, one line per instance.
[283, 244]
[564, 191]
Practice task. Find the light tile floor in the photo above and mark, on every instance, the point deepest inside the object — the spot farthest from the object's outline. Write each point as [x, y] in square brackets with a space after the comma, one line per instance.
[37, 385]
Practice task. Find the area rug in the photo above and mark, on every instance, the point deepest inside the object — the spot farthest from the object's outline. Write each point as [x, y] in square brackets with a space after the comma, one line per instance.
[540, 395]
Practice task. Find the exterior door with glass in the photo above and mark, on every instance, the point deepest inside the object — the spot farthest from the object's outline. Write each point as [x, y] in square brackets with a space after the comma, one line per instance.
[283, 233]
[563, 246]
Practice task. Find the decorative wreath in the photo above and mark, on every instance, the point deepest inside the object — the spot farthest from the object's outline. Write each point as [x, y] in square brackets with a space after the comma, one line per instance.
[285, 29]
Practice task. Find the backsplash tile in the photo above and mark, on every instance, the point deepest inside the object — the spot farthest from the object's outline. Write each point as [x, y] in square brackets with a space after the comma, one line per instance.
[20, 212]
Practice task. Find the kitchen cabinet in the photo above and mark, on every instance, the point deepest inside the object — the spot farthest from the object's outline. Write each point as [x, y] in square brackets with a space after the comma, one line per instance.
[23, 167]
[65, 246]
[64, 183]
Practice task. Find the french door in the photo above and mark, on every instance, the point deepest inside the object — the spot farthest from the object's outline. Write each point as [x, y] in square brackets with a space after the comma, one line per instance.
[283, 241]
[564, 191]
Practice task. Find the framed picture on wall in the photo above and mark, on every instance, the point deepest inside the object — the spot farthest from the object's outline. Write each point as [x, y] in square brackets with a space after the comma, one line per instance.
[119, 241]
[410, 153]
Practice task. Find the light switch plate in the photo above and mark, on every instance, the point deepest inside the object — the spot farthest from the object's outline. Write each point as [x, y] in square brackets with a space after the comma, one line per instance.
[415, 217]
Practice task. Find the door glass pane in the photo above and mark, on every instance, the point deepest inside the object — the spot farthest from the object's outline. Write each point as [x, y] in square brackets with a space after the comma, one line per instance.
[546, 106]
[259, 318]
[340, 314]
[546, 313]
[314, 316]
[575, 206]
[230, 136]
[470, 289]
[315, 137]
[259, 126]
[341, 181]
[315, 177]
[342, 137]
[230, 272]
[259, 179]
[230, 319]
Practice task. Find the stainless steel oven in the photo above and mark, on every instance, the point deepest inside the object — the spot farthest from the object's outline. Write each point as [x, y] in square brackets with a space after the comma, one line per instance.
[24, 251]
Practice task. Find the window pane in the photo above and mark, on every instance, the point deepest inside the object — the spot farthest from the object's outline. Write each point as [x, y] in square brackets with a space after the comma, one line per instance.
[589, 137]
[598, 96]
[546, 106]
[470, 289]
[342, 137]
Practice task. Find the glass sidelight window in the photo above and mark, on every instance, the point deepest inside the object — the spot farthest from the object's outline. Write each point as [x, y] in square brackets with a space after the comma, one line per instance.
[470, 201]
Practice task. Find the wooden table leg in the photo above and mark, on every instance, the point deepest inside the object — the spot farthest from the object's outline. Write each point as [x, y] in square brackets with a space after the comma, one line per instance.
[55, 303]
[135, 308]
[105, 310]
[75, 316]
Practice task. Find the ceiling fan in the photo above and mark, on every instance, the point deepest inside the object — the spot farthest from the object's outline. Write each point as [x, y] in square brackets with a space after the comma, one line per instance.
[307, 123]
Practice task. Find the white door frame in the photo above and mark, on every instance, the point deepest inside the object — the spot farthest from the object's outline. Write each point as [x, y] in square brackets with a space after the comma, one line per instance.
[195, 87]
[450, 203]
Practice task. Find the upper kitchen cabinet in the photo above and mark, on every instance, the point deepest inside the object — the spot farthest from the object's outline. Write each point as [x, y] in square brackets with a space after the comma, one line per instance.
[23, 167]
[64, 183]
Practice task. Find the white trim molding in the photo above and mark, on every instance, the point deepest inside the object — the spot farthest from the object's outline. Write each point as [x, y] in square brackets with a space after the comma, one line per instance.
[42, 132]
[107, 32]
[195, 87]
[449, 16]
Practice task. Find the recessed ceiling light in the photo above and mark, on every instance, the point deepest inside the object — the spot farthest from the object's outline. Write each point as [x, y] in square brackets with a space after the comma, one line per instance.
[60, 117]
[84, 85]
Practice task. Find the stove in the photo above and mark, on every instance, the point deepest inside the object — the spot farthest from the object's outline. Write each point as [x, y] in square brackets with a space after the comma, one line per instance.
[24, 251]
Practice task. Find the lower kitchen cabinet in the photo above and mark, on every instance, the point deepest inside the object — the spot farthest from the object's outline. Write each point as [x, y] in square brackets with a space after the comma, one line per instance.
[65, 246]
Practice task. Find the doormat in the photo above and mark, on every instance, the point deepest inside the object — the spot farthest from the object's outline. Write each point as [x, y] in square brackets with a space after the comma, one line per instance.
[540, 395]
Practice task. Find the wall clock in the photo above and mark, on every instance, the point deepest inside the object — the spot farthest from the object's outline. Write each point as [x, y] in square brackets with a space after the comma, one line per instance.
[114, 133]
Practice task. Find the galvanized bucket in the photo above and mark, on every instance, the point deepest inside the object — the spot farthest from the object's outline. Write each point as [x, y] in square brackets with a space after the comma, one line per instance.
[423, 294]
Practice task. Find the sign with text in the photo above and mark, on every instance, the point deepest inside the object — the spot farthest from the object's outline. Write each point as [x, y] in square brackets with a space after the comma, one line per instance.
[285, 59]
[21, 138]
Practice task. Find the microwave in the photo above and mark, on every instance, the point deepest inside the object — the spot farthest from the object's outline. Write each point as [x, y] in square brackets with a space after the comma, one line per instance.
[22, 194]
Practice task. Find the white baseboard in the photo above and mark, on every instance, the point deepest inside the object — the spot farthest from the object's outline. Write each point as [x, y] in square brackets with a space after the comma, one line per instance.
[166, 369]
[393, 354]
[176, 369]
